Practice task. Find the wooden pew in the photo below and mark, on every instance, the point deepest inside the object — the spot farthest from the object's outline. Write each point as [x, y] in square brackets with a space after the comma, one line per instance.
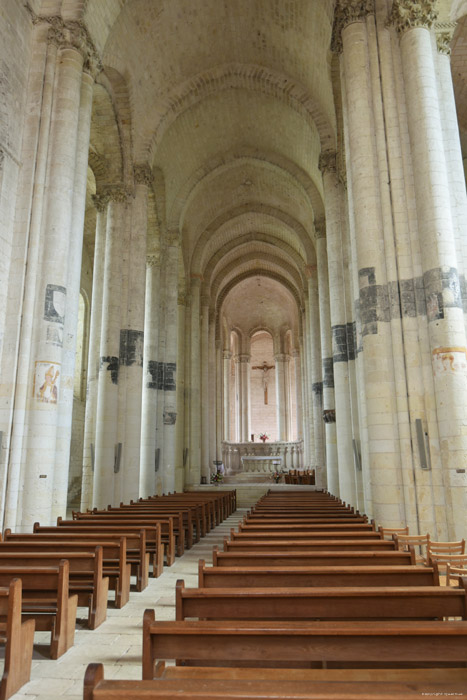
[283, 559]
[46, 600]
[320, 576]
[142, 542]
[18, 638]
[86, 577]
[301, 644]
[190, 516]
[293, 530]
[322, 545]
[200, 517]
[326, 603]
[115, 565]
[307, 685]
[334, 534]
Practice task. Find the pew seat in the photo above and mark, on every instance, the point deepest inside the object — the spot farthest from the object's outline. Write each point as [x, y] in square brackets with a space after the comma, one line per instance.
[17, 636]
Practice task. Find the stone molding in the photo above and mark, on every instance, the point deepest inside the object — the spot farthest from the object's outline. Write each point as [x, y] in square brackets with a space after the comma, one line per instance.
[143, 174]
[328, 162]
[70, 34]
[348, 12]
[411, 14]
[101, 201]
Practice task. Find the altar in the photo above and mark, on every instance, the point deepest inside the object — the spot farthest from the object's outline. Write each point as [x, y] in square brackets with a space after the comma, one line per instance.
[265, 463]
[262, 458]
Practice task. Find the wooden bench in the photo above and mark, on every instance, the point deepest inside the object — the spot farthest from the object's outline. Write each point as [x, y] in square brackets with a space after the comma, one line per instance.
[173, 683]
[190, 517]
[301, 644]
[86, 576]
[321, 603]
[299, 529]
[143, 543]
[296, 545]
[337, 558]
[321, 576]
[46, 600]
[198, 509]
[115, 565]
[343, 534]
[18, 638]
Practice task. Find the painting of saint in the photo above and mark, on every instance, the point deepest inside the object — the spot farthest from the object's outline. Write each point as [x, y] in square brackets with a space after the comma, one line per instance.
[46, 382]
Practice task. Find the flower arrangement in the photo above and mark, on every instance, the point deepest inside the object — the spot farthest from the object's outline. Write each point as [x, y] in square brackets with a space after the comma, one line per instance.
[276, 477]
[217, 477]
[264, 437]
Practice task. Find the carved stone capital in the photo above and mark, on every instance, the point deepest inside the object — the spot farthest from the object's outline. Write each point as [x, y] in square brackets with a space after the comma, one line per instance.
[117, 194]
[226, 355]
[444, 33]
[320, 229]
[70, 34]
[281, 357]
[205, 299]
[347, 12]
[328, 162]
[2, 157]
[153, 260]
[182, 299]
[143, 174]
[101, 201]
[413, 14]
[172, 239]
[242, 358]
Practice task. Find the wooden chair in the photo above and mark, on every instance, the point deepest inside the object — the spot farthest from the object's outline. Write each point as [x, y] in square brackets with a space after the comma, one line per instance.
[456, 573]
[444, 552]
[388, 532]
[417, 541]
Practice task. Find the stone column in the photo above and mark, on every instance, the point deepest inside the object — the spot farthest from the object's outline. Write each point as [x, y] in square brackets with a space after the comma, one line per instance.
[316, 376]
[37, 493]
[132, 334]
[227, 357]
[375, 336]
[205, 384]
[219, 399]
[298, 392]
[64, 423]
[244, 397]
[195, 385]
[151, 379]
[101, 202]
[327, 361]
[109, 353]
[212, 391]
[338, 319]
[180, 396]
[281, 361]
[171, 358]
[440, 264]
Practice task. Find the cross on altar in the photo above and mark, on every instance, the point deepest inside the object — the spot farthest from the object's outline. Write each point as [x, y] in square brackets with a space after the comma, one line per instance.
[265, 369]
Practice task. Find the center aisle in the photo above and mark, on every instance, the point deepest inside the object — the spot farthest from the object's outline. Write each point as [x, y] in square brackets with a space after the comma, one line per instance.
[117, 642]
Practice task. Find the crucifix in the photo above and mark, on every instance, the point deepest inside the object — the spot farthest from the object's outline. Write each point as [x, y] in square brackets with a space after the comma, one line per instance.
[265, 369]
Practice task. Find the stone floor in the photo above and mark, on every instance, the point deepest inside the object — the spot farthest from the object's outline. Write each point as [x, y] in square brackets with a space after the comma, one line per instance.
[117, 642]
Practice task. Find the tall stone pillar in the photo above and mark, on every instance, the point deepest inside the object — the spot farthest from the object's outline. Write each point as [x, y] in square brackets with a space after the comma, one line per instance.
[338, 318]
[244, 397]
[180, 397]
[195, 385]
[132, 334]
[316, 376]
[205, 394]
[440, 263]
[281, 361]
[169, 369]
[65, 416]
[101, 202]
[227, 357]
[298, 392]
[106, 451]
[219, 399]
[40, 492]
[212, 391]
[327, 362]
[151, 378]
[375, 333]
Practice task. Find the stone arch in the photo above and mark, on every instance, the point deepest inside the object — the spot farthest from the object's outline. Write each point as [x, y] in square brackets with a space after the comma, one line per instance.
[248, 77]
